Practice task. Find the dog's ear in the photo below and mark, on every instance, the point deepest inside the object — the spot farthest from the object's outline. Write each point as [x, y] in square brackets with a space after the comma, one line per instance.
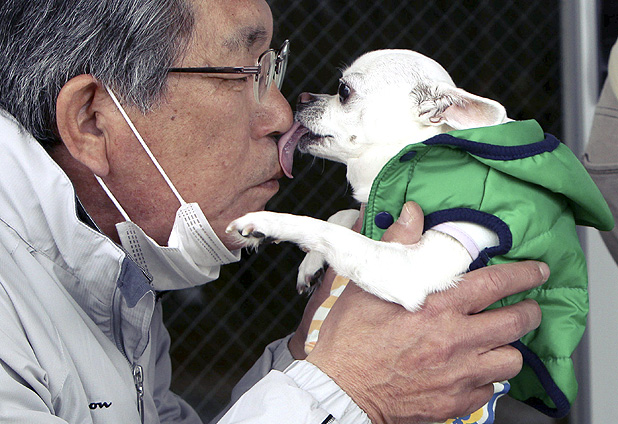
[459, 109]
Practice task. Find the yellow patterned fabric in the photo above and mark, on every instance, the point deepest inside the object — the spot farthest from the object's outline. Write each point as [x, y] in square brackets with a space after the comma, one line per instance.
[339, 284]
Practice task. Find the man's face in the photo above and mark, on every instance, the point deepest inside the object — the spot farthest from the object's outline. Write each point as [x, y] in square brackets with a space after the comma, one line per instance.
[214, 141]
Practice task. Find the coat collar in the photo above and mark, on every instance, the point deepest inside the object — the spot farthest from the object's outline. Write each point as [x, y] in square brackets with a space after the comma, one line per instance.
[38, 201]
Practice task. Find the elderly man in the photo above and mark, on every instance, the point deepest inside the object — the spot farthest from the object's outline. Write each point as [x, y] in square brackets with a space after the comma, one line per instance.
[103, 202]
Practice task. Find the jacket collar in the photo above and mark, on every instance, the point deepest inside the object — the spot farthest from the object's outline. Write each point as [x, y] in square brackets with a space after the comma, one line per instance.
[38, 201]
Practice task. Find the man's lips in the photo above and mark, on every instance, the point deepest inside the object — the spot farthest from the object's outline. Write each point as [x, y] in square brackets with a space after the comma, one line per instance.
[287, 144]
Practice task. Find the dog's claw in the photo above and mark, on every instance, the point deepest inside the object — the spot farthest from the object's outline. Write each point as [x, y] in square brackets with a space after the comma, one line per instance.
[304, 289]
[247, 231]
[317, 278]
[312, 283]
[253, 230]
[267, 240]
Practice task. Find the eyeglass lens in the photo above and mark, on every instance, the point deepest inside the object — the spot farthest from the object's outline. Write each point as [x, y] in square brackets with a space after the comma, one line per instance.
[273, 65]
[265, 77]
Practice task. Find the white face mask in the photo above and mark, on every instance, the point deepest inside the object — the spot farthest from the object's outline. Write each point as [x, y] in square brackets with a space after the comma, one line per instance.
[194, 254]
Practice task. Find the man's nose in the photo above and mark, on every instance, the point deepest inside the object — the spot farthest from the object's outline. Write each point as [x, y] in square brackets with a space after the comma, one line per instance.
[275, 115]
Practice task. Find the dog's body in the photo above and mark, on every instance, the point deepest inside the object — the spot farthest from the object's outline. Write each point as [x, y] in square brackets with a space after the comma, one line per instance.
[504, 192]
[387, 100]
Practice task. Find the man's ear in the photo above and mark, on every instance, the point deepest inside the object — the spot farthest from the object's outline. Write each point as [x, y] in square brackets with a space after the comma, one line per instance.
[459, 109]
[81, 118]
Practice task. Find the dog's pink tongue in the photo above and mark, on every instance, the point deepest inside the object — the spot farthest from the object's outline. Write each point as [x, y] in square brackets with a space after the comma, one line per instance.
[287, 144]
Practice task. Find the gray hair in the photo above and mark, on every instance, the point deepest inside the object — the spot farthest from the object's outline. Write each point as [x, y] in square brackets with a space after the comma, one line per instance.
[125, 44]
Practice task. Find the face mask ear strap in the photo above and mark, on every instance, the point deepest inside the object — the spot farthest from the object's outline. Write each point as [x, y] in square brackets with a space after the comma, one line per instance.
[141, 140]
[112, 198]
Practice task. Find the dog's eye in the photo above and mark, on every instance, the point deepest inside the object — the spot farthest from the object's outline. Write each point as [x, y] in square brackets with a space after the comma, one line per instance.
[344, 92]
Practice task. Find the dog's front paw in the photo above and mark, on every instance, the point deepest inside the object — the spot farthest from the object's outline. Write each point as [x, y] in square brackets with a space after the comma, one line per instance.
[310, 272]
[251, 230]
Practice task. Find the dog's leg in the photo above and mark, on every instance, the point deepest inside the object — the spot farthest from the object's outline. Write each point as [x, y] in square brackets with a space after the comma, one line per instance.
[392, 271]
[314, 261]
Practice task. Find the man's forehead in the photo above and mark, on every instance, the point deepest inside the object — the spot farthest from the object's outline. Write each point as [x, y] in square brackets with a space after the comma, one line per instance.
[227, 27]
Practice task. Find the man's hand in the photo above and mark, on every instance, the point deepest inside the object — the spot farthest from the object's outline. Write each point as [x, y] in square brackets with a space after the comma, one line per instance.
[433, 364]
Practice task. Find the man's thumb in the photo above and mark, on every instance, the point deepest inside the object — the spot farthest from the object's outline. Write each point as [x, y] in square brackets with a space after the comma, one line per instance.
[408, 229]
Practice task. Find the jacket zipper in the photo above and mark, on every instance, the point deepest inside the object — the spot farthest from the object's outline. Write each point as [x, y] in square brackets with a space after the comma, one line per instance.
[329, 420]
[138, 378]
[138, 371]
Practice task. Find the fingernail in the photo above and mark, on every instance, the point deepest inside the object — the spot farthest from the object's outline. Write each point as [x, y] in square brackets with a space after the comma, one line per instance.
[544, 268]
[406, 215]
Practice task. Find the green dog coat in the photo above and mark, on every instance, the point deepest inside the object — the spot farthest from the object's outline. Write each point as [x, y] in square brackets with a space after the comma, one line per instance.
[531, 190]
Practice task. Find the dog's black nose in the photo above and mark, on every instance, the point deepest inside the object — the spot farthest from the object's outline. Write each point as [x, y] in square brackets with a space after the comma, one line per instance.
[304, 100]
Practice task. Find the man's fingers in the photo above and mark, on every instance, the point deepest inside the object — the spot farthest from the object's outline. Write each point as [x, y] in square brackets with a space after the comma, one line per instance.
[483, 287]
[505, 325]
[499, 364]
[408, 228]
[502, 363]
[479, 397]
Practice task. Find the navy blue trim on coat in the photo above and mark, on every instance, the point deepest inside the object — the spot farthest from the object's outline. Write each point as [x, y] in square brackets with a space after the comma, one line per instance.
[492, 222]
[494, 152]
[505, 238]
[551, 388]
[132, 282]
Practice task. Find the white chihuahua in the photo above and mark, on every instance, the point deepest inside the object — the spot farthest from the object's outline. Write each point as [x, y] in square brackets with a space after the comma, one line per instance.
[387, 99]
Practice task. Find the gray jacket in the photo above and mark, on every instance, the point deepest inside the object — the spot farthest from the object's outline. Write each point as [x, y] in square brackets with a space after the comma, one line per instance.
[81, 333]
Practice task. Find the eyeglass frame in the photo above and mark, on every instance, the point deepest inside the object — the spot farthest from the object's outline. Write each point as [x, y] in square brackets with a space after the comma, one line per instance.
[280, 65]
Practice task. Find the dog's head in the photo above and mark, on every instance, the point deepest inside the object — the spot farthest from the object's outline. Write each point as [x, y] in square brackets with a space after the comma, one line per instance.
[386, 100]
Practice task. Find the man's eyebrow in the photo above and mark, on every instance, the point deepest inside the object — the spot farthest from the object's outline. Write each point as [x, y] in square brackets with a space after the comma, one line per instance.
[246, 38]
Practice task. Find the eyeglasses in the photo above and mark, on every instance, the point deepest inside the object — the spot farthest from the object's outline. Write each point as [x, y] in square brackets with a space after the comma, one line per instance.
[271, 66]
